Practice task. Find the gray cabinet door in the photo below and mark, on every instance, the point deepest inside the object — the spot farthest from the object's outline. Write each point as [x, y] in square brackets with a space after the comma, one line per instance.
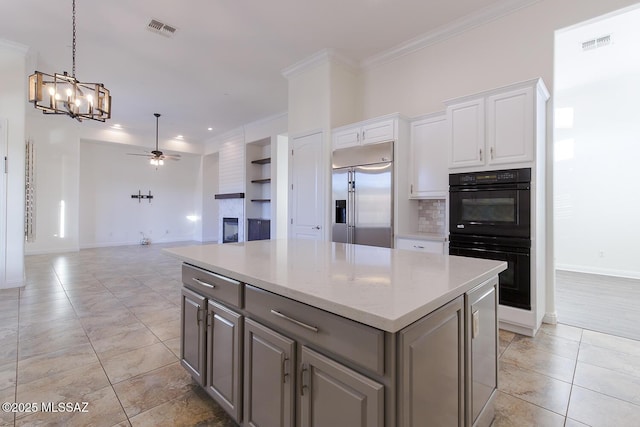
[269, 371]
[431, 369]
[334, 395]
[192, 338]
[482, 345]
[224, 358]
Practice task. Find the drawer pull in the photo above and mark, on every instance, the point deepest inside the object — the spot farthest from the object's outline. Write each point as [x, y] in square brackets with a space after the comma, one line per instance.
[226, 279]
[297, 322]
[418, 247]
[205, 284]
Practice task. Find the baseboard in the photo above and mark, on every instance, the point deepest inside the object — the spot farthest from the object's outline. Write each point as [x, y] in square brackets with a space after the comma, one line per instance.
[50, 251]
[627, 274]
[12, 284]
[550, 318]
[134, 242]
[518, 329]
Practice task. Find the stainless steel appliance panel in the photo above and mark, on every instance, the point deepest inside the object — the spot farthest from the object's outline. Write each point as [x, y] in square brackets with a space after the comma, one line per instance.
[341, 201]
[373, 205]
[362, 202]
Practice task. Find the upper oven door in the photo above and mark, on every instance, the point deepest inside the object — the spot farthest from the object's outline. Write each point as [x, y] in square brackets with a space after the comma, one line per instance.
[491, 210]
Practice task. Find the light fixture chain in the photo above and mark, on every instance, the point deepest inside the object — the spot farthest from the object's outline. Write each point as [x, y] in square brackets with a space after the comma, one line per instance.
[73, 49]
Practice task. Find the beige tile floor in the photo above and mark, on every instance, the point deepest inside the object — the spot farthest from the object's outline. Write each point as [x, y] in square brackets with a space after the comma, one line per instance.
[102, 326]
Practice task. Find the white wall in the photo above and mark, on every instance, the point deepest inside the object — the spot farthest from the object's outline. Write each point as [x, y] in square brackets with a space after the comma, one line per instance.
[12, 108]
[57, 150]
[210, 210]
[513, 48]
[108, 214]
[597, 203]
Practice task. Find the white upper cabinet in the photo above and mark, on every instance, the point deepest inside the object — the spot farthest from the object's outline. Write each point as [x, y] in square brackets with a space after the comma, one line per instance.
[497, 127]
[429, 175]
[510, 126]
[369, 132]
[466, 127]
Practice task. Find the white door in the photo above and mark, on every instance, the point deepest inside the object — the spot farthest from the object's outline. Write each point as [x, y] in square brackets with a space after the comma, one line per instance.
[307, 216]
[3, 199]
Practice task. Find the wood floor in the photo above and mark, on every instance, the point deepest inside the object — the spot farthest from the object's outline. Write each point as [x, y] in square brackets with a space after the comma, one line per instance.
[599, 303]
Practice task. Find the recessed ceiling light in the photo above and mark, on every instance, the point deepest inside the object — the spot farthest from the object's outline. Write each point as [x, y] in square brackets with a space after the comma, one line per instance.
[209, 128]
[179, 136]
[117, 126]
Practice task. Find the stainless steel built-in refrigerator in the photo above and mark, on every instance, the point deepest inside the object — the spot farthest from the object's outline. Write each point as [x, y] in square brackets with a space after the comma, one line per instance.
[363, 195]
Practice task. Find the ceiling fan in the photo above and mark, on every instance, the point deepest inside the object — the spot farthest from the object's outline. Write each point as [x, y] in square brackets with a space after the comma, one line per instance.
[157, 157]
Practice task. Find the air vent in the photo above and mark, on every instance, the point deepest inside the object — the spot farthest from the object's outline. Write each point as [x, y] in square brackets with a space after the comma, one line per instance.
[161, 28]
[596, 43]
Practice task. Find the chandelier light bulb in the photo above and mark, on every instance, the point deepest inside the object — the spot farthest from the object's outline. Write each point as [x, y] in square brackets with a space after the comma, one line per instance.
[52, 91]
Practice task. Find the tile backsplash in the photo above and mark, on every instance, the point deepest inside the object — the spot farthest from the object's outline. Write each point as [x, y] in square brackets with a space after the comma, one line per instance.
[431, 216]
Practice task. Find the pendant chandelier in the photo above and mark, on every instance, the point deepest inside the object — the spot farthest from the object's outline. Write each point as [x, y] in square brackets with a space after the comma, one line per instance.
[64, 94]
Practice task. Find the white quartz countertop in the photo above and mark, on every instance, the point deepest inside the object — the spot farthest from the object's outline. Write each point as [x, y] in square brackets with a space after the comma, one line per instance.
[384, 288]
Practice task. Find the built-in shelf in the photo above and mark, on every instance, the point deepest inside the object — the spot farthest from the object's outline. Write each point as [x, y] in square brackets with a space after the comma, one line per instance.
[264, 161]
[261, 181]
[230, 196]
[261, 200]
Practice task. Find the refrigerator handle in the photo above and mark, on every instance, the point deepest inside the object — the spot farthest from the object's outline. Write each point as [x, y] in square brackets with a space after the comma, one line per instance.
[350, 208]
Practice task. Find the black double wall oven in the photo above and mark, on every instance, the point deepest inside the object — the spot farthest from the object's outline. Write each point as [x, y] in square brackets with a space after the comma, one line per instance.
[490, 217]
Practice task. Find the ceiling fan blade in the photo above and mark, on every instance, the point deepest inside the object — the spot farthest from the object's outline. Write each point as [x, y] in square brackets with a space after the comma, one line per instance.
[136, 154]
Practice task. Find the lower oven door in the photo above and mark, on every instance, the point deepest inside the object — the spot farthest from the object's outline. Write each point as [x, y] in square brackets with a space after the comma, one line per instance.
[515, 281]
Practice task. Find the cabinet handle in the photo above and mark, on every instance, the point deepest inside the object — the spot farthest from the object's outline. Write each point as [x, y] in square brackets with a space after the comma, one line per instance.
[284, 370]
[226, 279]
[302, 384]
[358, 136]
[491, 152]
[198, 316]
[418, 247]
[297, 322]
[363, 135]
[481, 154]
[411, 192]
[205, 284]
[317, 227]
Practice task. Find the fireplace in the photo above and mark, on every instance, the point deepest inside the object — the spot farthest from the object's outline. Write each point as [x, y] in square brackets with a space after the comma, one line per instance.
[229, 230]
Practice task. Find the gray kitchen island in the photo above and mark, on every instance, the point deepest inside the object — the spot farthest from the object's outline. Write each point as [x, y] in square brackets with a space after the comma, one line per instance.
[316, 333]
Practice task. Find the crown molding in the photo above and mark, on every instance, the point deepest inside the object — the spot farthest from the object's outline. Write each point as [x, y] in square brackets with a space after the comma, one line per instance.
[18, 47]
[266, 119]
[321, 57]
[452, 29]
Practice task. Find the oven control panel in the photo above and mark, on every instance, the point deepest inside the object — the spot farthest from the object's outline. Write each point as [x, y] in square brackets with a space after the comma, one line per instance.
[491, 177]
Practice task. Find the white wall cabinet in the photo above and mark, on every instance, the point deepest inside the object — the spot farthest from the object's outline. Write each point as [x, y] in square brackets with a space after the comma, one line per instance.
[429, 174]
[369, 132]
[495, 128]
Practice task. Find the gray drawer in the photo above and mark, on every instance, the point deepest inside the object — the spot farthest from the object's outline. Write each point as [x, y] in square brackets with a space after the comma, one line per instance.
[354, 341]
[212, 285]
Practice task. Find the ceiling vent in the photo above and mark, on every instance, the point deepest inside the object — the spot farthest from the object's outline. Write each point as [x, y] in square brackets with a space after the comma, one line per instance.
[161, 28]
[596, 43]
